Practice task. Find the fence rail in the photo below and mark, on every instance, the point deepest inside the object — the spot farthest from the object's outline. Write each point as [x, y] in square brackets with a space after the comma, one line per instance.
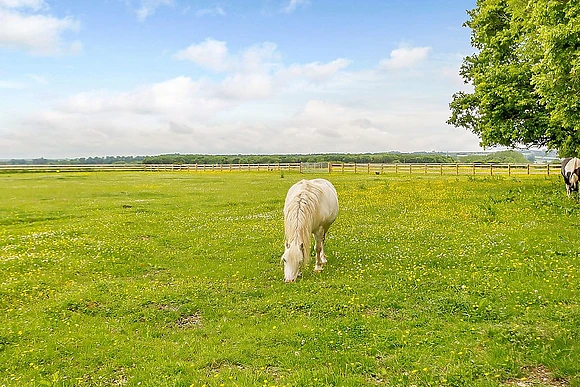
[368, 168]
[448, 169]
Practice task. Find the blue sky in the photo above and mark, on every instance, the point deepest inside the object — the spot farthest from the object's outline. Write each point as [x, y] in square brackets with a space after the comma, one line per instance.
[144, 77]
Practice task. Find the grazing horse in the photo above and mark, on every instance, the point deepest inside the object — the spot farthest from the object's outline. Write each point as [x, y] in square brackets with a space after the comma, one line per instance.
[310, 208]
[571, 173]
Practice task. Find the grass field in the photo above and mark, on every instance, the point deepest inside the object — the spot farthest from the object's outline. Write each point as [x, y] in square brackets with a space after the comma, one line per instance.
[174, 279]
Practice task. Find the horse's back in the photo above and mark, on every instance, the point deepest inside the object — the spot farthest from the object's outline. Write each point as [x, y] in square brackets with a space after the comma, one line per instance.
[330, 199]
[325, 193]
[570, 165]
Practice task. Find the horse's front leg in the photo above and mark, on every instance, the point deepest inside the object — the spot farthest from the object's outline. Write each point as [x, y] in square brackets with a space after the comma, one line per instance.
[319, 237]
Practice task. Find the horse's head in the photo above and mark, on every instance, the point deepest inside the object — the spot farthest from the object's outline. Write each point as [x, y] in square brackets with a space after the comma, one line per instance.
[293, 259]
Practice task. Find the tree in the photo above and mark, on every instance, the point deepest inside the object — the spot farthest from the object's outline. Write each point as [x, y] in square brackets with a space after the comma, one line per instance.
[522, 75]
[556, 71]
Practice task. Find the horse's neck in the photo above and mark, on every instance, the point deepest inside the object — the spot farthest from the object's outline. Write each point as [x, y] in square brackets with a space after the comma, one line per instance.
[299, 226]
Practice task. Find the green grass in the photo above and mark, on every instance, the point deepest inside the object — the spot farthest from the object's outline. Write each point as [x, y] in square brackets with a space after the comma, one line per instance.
[174, 279]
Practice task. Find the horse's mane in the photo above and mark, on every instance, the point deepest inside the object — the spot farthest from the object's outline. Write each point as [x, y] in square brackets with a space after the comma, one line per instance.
[299, 215]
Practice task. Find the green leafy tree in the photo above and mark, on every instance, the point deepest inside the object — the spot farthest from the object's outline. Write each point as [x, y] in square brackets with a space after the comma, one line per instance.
[522, 74]
[556, 71]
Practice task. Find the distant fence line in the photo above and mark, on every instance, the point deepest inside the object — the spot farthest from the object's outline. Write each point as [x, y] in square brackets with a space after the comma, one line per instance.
[368, 168]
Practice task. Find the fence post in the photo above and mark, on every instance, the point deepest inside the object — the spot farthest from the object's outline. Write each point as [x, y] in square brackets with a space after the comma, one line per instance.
[410, 169]
[441, 169]
[548, 169]
[342, 167]
[425, 169]
[509, 169]
[301, 167]
[329, 167]
[474, 169]
[457, 169]
[528, 169]
[355, 168]
[368, 167]
[396, 169]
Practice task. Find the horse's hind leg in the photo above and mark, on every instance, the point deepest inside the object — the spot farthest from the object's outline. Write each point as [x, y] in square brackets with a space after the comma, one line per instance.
[319, 237]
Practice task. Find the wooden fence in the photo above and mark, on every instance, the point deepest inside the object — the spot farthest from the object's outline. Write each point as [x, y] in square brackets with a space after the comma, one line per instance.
[366, 168]
[448, 169]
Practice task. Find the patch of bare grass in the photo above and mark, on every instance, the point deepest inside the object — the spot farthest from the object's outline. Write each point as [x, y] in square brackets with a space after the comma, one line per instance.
[189, 322]
[538, 376]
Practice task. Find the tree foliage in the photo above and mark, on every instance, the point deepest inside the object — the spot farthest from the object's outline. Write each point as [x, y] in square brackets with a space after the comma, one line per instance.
[525, 75]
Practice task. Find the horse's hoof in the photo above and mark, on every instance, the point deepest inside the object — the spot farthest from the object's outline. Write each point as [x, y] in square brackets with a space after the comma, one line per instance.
[318, 269]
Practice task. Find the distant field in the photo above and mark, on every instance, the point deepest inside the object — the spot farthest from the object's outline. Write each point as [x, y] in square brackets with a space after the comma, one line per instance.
[174, 279]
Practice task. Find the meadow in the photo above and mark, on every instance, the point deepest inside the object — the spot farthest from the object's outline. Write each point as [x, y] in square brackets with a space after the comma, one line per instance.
[174, 279]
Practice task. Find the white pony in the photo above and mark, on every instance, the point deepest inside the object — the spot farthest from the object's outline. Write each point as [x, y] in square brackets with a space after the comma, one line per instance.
[310, 208]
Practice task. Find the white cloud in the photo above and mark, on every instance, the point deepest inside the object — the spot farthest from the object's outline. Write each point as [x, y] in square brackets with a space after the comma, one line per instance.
[180, 97]
[214, 55]
[31, 4]
[321, 126]
[24, 84]
[11, 85]
[148, 7]
[294, 4]
[39, 79]
[215, 11]
[454, 76]
[180, 128]
[257, 105]
[316, 71]
[247, 86]
[37, 33]
[256, 71]
[404, 57]
[259, 58]
[210, 54]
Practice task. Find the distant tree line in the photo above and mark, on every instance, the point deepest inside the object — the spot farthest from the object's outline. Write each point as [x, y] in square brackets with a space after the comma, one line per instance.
[77, 161]
[502, 157]
[387, 158]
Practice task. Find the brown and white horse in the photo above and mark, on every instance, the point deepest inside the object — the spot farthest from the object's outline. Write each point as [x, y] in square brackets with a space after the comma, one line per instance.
[311, 206]
[571, 173]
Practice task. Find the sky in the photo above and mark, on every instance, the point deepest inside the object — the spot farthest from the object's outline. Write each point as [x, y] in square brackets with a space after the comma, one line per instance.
[147, 77]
